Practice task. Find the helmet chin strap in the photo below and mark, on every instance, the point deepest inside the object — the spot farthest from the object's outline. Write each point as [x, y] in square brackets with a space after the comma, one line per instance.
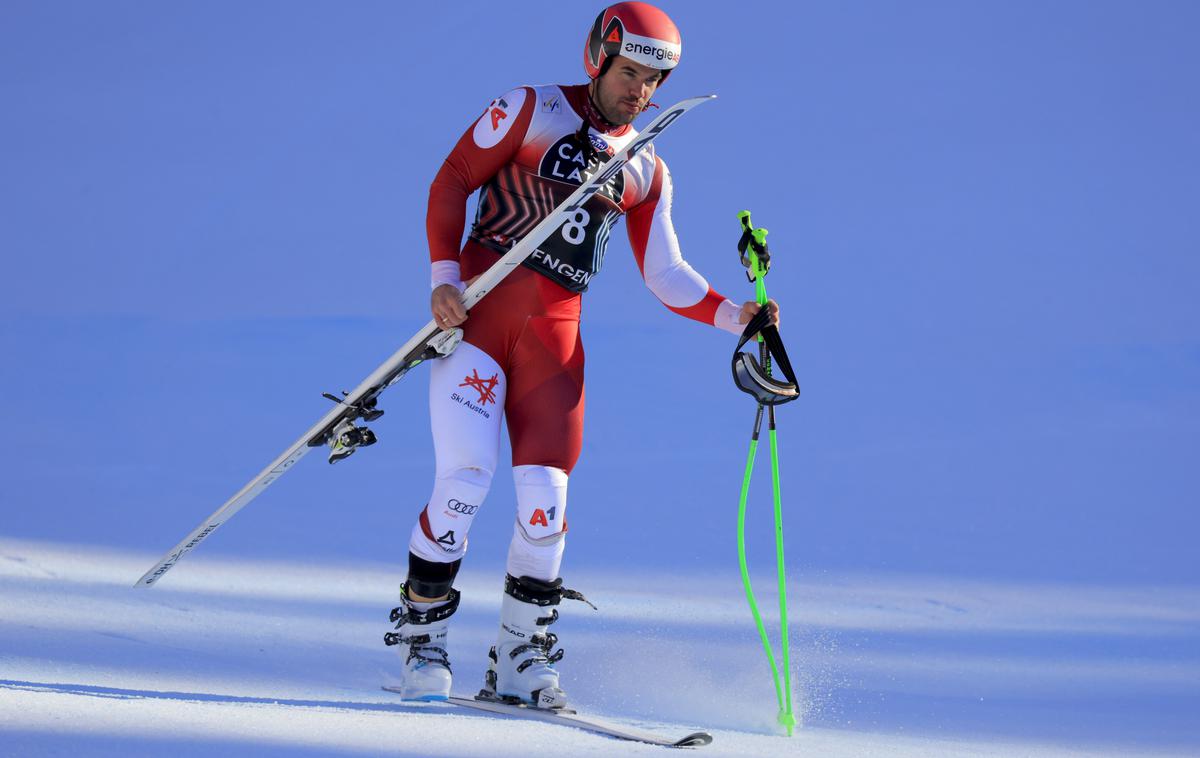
[595, 114]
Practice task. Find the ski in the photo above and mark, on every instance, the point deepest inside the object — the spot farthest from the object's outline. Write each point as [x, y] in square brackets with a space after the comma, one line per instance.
[568, 717]
[337, 427]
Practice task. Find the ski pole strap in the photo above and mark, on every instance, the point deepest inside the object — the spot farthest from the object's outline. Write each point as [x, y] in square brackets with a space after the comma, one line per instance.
[753, 248]
[750, 377]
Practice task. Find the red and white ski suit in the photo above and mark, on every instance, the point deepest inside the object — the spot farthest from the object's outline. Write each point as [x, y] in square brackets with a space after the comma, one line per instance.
[521, 356]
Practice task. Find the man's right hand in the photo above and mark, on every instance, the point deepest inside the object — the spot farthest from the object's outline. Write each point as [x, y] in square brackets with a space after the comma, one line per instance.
[447, 307]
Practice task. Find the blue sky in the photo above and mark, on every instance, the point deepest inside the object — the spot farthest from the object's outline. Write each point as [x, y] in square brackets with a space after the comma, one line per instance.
[983, 216]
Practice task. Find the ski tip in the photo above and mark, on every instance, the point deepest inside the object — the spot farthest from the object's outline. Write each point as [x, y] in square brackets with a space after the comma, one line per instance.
[694, 740]
[690, 102]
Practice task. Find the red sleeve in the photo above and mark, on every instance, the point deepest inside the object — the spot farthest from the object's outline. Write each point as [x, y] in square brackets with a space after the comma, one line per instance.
[488, 145]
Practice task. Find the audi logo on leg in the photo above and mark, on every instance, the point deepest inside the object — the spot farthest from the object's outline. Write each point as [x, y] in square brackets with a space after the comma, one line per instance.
[460, 507]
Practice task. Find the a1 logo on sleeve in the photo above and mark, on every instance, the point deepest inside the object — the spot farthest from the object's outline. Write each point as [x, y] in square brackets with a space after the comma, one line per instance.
[498, 118]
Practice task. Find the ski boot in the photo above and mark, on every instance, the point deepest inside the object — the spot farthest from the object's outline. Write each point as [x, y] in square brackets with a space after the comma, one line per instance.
[427, 666]
[522, 662]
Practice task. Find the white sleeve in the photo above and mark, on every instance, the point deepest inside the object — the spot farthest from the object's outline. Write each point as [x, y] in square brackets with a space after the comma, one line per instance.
[667, 274]
[446, 272]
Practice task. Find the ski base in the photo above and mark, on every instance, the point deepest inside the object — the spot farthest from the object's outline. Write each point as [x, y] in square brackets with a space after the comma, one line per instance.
[568, 717]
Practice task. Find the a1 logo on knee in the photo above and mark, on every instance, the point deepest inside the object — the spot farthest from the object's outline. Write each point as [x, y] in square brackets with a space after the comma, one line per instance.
[542, 517]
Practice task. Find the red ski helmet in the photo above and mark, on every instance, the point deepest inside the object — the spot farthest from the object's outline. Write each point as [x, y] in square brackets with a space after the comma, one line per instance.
[637, 31]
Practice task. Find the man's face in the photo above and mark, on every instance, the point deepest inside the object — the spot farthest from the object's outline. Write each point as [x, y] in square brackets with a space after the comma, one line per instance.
[625, 89]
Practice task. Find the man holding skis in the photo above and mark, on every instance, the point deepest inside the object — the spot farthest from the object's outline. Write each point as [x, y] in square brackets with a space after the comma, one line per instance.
[521, 358]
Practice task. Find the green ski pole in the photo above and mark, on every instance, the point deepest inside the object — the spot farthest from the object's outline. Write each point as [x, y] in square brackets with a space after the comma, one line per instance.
[757, 260]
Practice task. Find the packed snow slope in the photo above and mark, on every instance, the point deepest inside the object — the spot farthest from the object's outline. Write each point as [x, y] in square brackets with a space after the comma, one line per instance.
[253, 658]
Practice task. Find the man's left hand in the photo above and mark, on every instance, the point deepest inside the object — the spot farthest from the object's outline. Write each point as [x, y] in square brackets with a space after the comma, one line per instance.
[750, 308]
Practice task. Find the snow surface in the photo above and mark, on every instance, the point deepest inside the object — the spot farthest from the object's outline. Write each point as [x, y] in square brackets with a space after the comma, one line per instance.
[278, 658]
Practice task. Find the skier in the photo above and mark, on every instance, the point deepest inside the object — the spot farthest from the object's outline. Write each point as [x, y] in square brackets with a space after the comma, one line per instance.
[521, 358]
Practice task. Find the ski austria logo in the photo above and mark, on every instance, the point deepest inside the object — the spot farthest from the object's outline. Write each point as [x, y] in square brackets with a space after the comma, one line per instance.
[497, 119]
[485, 387]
